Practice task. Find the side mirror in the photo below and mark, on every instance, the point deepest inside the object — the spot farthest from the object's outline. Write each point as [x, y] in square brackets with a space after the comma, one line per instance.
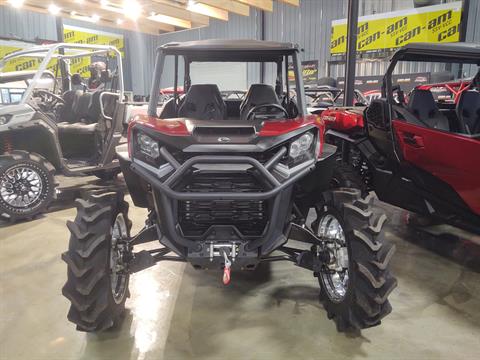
[378, 113]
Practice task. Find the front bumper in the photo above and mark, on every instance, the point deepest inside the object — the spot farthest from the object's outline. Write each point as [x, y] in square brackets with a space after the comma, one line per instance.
[247, 249]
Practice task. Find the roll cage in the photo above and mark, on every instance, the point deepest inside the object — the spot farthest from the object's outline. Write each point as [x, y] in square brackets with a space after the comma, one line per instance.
[63, 52]
[229, 51]
[463, 53]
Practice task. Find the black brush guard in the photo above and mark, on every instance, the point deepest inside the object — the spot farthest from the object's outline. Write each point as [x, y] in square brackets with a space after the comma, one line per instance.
[166, 197]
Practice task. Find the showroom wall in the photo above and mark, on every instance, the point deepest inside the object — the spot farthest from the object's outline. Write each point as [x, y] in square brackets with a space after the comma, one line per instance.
[309, 26]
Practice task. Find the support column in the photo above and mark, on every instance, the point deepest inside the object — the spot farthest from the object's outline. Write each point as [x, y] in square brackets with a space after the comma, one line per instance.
[352, 22]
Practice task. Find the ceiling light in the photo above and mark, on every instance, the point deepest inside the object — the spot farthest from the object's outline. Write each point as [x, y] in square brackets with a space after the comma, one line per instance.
[95, 18]
[119, 21]
[54, 9]
[79, 1]
[73, 13]
[104, 2]
[16, 3]
[152, 13]
[132, 9]
[191, 2]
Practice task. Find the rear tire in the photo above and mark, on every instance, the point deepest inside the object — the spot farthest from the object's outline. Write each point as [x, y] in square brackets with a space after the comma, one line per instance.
[95, 286]
[27, 185]
[363, 300]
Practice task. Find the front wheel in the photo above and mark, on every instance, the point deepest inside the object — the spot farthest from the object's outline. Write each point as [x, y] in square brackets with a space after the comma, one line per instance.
[27, 185]
[98, 251]
[356, 282]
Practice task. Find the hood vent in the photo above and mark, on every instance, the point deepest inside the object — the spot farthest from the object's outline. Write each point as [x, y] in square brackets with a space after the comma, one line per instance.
[230, 131]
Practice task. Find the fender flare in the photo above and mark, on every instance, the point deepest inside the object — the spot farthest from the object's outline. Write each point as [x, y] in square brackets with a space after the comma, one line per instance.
[38, 136]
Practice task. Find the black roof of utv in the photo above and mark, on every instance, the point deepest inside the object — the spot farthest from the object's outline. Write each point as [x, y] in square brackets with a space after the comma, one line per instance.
[443, 52]
[230, 50]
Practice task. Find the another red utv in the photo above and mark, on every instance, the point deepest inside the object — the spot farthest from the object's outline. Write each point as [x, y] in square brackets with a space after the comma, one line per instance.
[421, 154]
[227, 187]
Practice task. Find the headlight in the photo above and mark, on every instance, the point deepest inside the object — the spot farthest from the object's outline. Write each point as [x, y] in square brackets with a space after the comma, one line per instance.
[301, 146]
[4, 119]
[148, 146]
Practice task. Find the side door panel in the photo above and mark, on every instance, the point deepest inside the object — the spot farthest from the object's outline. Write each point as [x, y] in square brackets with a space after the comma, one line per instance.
[454, 159]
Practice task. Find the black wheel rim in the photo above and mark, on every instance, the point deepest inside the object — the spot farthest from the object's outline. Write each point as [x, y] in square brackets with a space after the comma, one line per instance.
[118, 276]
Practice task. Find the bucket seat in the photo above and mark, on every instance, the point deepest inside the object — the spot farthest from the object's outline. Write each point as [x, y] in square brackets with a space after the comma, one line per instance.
[468, 111]
[258, 94]
[80, 117]
[70, 100]
[203, 102]
[423, 106]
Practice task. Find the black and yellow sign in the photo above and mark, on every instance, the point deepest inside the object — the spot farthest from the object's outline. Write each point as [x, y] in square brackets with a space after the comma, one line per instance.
[72, 34]
[7, 47]
[387, 31]
[77, 35]
[309, 72]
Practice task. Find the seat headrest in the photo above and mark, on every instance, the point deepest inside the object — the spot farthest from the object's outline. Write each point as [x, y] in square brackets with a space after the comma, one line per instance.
[203, 102]
[422, 104]
[468, 110]
[260, 94]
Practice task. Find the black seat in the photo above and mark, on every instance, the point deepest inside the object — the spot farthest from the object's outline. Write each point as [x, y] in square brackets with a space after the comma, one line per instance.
[468, 111]
[258, 94]
[70, 100]
[203, 102]
[422, 105]
[82, 107]
[94, 109]
[79, 123]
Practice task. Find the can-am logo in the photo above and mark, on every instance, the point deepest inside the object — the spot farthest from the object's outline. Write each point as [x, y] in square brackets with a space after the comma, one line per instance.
[223, 139]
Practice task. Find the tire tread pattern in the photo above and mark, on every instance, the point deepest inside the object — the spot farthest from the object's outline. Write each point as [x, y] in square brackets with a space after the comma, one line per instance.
[88, 275]
[370, 280]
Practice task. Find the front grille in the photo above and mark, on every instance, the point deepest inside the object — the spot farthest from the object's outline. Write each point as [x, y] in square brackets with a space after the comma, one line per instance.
[248, 216]
[262, 156]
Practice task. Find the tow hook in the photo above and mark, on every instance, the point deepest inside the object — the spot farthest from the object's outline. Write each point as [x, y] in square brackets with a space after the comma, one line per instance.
[227, 268]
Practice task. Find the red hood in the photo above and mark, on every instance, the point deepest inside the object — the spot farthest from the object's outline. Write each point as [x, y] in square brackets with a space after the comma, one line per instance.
[185, 127]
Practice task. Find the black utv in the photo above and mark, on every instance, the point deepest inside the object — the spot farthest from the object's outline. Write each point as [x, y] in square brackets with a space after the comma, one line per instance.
[52, 121]
[227, 185]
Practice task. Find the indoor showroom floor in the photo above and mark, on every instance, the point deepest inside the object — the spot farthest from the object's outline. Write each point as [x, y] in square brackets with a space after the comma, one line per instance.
[176, 312]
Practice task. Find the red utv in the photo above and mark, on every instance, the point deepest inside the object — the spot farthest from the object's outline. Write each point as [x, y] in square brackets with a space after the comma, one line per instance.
[420, 154]
[227, 185]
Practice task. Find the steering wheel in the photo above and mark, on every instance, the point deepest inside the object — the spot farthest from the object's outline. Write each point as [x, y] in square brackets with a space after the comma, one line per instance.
[49, 99]
[268, 108]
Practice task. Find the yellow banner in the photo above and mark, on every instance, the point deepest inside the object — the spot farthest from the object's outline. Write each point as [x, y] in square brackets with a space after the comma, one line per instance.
[7, 47]
[437, 23]
[72, 35]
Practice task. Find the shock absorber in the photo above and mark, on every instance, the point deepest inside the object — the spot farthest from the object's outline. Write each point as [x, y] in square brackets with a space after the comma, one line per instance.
[7, 144]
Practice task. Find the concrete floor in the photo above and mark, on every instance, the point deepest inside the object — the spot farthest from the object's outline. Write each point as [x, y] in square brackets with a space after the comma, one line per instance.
[176, 312]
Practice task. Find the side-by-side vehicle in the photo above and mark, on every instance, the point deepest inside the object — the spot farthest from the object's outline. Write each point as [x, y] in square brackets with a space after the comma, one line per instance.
[51, 122]
[227, 188]
[419, 151]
